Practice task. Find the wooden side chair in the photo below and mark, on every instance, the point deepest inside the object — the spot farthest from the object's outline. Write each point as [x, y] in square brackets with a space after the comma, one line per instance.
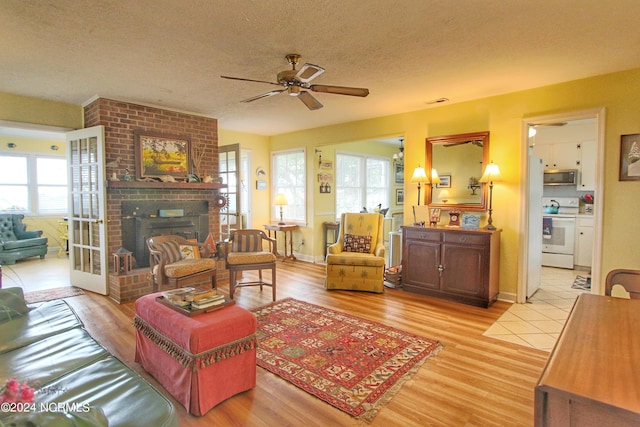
[623, 283]
[246, 251]
[174, 261]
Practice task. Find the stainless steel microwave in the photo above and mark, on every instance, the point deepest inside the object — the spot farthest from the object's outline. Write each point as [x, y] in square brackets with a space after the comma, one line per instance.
[560, 177]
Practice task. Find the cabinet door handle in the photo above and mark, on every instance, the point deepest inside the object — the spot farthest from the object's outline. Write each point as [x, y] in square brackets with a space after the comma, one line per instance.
[440, 268]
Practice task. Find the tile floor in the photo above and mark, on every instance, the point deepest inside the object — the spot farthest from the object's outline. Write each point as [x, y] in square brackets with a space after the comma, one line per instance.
[538, 323]
[35, 274]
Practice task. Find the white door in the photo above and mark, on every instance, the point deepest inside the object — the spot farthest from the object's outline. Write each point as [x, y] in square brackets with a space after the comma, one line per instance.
[87, 228]
[229, 170]
[534, 265]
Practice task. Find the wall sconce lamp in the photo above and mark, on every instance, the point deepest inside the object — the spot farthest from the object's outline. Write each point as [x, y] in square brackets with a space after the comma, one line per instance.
[491, 175]
[281, 201]
[419, 176]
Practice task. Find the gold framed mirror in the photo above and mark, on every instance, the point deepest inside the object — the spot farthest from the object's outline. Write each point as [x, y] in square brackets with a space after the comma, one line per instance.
[459, 161]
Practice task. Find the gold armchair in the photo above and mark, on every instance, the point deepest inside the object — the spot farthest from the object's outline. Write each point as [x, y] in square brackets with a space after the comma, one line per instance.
[245, 251]
[175, 261]
[356, 261]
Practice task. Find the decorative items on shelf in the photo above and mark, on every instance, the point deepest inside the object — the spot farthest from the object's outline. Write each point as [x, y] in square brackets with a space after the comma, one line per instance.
[470, 221]
[588, 200]
[454, 218]
[434, 216]
[198, 148]
[491, 175]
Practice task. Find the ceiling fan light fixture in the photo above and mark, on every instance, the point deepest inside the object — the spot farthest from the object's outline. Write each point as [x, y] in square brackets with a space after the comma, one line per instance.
[294, 81]
[294, 90]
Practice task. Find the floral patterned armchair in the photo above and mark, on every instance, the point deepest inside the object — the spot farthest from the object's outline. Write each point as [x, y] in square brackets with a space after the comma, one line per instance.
[356, 261]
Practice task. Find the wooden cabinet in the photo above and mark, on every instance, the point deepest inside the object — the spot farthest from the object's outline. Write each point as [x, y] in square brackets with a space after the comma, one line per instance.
[561, 155]
[592, 377]
[452, 263]
[587, 166]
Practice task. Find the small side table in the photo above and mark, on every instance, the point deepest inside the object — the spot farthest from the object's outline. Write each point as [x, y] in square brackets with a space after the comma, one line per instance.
[334, 228]
[286, 228]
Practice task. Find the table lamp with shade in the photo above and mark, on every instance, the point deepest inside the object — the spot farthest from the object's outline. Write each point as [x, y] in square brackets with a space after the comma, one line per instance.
[491, 175]
[281, 201]
[435, 179]
[419, 176]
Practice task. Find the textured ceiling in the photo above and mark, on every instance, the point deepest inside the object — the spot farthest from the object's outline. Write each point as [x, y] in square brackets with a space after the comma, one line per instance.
[171, 53]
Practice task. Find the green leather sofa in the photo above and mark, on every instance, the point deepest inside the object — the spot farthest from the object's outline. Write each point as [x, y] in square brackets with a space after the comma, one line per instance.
[18, 243]
[48, 347]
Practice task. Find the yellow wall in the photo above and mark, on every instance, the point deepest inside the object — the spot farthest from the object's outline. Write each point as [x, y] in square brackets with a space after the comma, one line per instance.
[501, 115]
[260, 157]
[22, 109]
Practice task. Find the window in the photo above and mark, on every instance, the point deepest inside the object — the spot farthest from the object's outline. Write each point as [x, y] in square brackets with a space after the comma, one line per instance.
[289, 178]
[361, 182]
[33, 184]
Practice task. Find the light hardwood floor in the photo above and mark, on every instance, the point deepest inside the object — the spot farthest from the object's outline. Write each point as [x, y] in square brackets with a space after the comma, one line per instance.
[474, 381]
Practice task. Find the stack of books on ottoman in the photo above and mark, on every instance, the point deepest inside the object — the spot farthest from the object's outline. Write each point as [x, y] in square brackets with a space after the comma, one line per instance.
[194, 301]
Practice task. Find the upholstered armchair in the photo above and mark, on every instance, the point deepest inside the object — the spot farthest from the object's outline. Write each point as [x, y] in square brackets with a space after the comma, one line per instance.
[18, 243]
[247, 250]
[174, 261]
[356, 261]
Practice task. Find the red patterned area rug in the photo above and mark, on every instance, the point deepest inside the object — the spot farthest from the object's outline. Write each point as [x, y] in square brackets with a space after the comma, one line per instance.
[51, 294]
[353, 364]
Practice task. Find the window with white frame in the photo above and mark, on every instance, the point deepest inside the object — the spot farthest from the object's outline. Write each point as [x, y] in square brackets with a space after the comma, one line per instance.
[34, 184]
[289, 178]
[361, 182]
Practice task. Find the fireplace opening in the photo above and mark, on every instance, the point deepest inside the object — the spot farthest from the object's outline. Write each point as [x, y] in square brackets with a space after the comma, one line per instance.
[144, 219]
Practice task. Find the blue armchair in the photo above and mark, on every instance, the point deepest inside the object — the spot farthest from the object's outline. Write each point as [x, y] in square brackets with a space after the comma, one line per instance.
[18, 243]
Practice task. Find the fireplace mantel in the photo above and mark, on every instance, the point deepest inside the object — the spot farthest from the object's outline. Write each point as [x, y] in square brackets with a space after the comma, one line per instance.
[167, 185]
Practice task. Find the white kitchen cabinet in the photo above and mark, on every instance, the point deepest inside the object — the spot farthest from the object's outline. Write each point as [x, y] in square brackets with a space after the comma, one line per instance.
[584, 241]
[587, 166]
[561, 155]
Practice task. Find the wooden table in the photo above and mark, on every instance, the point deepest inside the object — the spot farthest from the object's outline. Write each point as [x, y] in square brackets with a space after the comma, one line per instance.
[285, 228]
[592, 377]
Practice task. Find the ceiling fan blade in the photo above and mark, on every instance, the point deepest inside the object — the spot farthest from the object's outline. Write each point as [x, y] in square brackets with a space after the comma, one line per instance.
[308, 72]
[264, 95]
[309, 101]
[250, 80]
[340, 90]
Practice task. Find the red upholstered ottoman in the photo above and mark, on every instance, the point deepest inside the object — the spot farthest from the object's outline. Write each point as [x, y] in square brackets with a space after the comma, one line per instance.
[201, 360]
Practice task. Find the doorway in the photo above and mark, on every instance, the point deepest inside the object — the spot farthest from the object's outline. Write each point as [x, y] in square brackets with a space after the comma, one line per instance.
[529, 259]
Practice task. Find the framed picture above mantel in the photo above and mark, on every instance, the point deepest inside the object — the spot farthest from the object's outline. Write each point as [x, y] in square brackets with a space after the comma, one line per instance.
[159, 155]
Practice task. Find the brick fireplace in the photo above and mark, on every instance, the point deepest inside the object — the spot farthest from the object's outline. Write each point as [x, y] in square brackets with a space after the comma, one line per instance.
[120, 120]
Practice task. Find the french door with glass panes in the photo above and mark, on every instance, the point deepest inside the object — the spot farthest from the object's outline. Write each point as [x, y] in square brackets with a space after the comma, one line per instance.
[229, 170]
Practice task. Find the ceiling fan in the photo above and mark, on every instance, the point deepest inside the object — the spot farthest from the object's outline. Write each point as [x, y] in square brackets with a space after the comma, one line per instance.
[477, 142]
[293, 81]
